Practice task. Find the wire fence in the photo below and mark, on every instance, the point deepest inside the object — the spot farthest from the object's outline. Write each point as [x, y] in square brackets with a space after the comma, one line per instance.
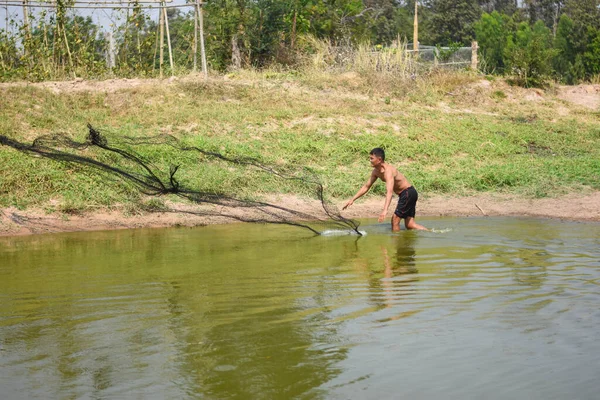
[49, 39]
[399, 59]
[445, 56]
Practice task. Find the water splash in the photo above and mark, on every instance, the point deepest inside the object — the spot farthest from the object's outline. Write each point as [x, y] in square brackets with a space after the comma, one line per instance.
[343, 232]
[442, 230]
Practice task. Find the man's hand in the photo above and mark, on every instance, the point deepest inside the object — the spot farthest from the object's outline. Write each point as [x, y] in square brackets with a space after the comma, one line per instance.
[381, 217]
[348, 204]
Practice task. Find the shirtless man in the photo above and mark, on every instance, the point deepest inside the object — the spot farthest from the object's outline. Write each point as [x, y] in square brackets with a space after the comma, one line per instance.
[395, 182]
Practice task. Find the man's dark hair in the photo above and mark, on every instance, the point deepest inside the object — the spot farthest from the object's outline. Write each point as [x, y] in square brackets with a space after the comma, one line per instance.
[378, 152]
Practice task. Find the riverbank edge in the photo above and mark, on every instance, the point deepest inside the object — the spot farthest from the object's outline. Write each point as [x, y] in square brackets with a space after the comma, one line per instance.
[14, 222]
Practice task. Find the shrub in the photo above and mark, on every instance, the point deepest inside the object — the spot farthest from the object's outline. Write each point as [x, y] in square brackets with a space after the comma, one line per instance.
[529, 55]
[492, 32]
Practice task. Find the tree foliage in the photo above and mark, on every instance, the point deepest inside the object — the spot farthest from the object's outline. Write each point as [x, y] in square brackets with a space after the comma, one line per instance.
[531, 39]
[543, 46]
[453, 20]
[529, 53]
[492, 32]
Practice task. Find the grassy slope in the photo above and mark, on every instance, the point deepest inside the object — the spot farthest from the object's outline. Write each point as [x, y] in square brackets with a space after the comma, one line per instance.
[448, 134]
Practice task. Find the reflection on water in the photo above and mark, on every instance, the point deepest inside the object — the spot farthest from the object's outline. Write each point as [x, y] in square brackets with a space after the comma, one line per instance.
[493, 308]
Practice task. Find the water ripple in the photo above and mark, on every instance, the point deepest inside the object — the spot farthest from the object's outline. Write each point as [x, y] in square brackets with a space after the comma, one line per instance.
[486, 309]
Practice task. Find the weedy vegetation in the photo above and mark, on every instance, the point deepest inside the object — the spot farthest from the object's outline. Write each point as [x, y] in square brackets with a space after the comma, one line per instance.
[450, 132]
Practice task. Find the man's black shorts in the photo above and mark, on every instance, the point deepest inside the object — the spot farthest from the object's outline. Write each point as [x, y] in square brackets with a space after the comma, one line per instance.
[407, 203]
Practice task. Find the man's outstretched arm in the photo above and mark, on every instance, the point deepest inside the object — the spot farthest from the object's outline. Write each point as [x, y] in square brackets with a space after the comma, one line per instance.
[361, 192]
[389, 188]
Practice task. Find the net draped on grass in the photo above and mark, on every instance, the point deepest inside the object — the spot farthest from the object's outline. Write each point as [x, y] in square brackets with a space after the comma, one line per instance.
[137, 170]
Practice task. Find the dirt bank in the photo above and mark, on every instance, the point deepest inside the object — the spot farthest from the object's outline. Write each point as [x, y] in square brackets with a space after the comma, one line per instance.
[585, 95]
[571, 207]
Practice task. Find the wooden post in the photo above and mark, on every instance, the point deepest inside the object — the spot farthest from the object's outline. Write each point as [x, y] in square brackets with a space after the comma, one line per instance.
[6, 18]
[125, 49]
[195, 46]
[27, 44]
[474, 59]
[25, 22]
[294, 22]
[416, 30]
[139, 43]
[168, 40]
[64, 34]
[202, 50]
[156, 45]
[55, 55]
[162, 41]
[69, 53]
[110, 55]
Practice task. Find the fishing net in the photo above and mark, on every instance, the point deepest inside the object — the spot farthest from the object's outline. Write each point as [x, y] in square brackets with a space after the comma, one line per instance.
[138, 171]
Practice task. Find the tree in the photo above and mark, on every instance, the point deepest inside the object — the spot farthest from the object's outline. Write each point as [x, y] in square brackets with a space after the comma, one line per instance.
[585, 12]
[227, 22]
[507, 7]
[298, 19]
[529, 54]
[380, 20]
[587, 16]
[492, 32]
[10, 59]
[548, 11]
[566, 56]
[453, 20]
[339, 20]
[584, 34]
[591, 57]
[181, 30]
[87, 46]
[272, 30]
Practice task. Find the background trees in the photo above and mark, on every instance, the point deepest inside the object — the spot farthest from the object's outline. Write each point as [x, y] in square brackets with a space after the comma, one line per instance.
[548, 43]
[453, 20]
[532, 40]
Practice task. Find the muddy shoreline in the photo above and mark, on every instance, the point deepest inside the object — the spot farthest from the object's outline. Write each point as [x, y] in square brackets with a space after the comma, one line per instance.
[14, 222]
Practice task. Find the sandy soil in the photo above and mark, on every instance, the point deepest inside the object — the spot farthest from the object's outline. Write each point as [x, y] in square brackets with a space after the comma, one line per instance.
[584, 95]
[81, 85]
[583, 208]
[587, 96]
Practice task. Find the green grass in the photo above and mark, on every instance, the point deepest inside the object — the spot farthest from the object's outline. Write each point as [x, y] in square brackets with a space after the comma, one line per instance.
[445, 137]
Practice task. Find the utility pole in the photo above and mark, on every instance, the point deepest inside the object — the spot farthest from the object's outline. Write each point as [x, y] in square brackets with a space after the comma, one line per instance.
[416, 29]
[161, 24]
[202, 49]
[195, 46]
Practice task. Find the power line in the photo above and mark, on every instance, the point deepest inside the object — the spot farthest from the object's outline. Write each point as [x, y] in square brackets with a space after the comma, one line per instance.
[105, 5]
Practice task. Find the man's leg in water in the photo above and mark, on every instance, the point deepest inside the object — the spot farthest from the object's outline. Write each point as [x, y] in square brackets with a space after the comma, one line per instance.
[409, 223]
[396, 223]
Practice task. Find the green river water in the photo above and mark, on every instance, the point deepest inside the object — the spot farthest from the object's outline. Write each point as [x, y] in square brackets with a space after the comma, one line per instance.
[494, 308]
